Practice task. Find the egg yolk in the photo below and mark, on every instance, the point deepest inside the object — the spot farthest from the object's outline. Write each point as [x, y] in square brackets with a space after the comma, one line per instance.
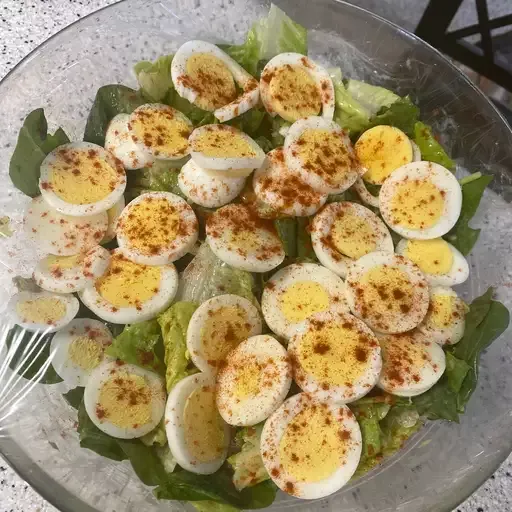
[82, 176]
[223, 330]
[442, 309]
[247, 380]
[312, 447]
[417, 204]
[203, 427]
[163, 131]
[59, 263]
[301, 300]
[128, 284]
[244, 241]
[432, 256]
[222, 142]
[334, 354]
[381, 150]
[353, 236]
[44, 310]
[151, 226]
[294, 93]
[209, 77]
[324, 153]
[85, 353]
[125, 401]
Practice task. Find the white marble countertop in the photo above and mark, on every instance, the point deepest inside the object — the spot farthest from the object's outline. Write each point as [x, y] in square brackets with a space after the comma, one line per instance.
[24, 24]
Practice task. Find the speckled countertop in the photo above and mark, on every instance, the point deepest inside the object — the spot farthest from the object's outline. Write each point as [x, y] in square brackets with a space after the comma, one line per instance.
[24, 24]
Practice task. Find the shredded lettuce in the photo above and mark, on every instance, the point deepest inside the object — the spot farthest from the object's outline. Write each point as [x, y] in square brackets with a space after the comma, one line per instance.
[430, 149]
[268, 37]
[174, 323]
[247, 464]
[154, 78]
[140, 344]
[207, 276]
[371, 97]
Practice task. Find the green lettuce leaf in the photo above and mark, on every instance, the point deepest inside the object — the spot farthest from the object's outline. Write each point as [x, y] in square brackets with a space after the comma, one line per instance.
[430, 149]
[174, 323]
[351, 115]
[371, 97]
[110, 100]
[486, 320]
[34, 143]
[157, 436]
[74, 397]
[277, 33]
[304, 247]
[185, 486]
[198, 116]
[462, 236]
[247, 463]
[401, 422]
[402, 114]
[140, 344]
[28, 354]
[287, 230]
[207, 276]
[154, 78]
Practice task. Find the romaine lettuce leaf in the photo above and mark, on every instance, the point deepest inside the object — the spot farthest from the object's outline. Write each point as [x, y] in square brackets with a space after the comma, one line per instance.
[351, 115]
[462, 236]
[277, 33]
[247, 464]
[34, 143]
[140, 344]
[154, 78]
[371, 97]
[287, 230]
[430, 149]
[207, 276]
[174, 323]
[402, 114]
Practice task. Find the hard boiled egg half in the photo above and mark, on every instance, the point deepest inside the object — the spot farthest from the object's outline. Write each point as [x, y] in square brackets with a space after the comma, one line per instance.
[123, 400]
[209, 78]
[311, 448]
[43, 311]
[293, 86]
[198, 436]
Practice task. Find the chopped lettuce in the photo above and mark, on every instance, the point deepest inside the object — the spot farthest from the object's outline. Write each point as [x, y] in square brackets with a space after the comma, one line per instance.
[371, 97]
[140, 344]
[166, 458]
[402, 114]
[287, 230]
[349, 114]
[154, 78]
[247, 464]
[430, 149]
[277, 33]
[156, 437]
[207, 276]
[174, 323]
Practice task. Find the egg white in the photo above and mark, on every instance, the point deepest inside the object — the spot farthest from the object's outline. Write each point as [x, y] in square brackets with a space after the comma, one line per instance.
[366, 196]
[113, 214]
[321, 228]
[293, 274]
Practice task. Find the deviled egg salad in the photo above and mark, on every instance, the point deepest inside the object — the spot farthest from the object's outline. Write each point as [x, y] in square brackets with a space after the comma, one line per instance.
[241, 276]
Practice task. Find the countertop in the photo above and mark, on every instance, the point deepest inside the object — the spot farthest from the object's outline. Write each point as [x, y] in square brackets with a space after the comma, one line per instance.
[24, 24]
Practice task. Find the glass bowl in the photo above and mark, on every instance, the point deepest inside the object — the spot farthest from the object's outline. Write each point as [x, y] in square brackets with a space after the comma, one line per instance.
[443, 463]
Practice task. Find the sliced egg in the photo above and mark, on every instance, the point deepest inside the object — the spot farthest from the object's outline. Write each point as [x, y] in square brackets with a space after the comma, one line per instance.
[381, 150]
[81, 179]
[293, 87]
[198, 436]
[43, 311]
[209, 78]
[220, 147]
[441, 263]
[241, 239]
[336, 357]
[131, 292]
[388, 292]
[123, 400]
[284, 191]
[62, 235]
[160, 131]
[70, 274]
[298, 291]
[118, 140]
[445, 320]
[421, 200]
[78, 349]
[416, 152]
[366, 196]
[411, 363]
[157, 228]
[321, 153]
[254, 381]
[217, 327]
[208, 189]
[311, 448]
[113, 214]
[343, 232]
